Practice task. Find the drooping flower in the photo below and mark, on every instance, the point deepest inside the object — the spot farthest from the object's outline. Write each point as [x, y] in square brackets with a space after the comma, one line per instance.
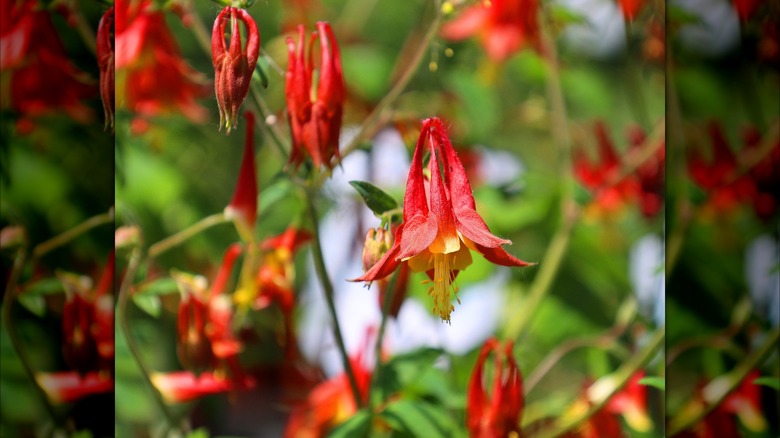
[242, 209]
[105, 58]
[498, 416]
[631, 403]
[205, 336]
[153, 77]
[41, 79]
[503, 26]
[441, 225]
[315, 118]
[88, 321]
[71, 386]
[276, 276]
[329, 403]
[234, 65]
[184, 386]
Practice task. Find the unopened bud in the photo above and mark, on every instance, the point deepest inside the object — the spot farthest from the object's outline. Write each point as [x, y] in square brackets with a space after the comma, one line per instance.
[378, 242]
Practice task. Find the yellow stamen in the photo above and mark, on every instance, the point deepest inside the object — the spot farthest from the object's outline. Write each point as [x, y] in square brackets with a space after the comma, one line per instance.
[442, 282]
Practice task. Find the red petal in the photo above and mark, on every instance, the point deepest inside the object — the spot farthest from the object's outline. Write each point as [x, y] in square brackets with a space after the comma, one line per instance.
[419, 233]
[414, 200]
[441, 207]
[499, 256]
[471, 226]
[469, 22]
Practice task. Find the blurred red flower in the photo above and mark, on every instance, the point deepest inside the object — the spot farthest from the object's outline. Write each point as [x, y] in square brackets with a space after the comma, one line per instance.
[105, 58]
[154, 79]
[500, 416]
[41, 78]
[503, 26]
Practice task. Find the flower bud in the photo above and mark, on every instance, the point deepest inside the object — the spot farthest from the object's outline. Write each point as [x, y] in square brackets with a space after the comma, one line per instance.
[378, 242]
[234, 65]
[315, 117]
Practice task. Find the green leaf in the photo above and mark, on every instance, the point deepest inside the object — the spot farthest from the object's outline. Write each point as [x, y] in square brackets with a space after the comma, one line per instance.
[418, 418]
[359, 425]
[148, 303]
[403, 370]
[33, 303]
[161, 286]
[200, 432]
[46, 286]
[562, 15]
[377, 200]
[655, 381]
[772, 382]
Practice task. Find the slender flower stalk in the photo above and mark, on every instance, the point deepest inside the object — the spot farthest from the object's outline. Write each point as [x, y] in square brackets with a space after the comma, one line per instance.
[105, 58]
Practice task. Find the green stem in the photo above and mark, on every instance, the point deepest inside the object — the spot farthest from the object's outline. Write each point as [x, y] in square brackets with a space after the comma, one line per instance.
[327, 287]
[516, 327]
[121, 315]
[634, 78]
[717, 390]
[388, 299]
[600, 392]
[16, 343]
[399, 86]
[61, 239]
[84, 30]
[180, 237]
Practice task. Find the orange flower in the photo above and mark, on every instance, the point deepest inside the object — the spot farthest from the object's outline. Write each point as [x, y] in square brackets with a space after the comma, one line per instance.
[441, 225]
[503, 26]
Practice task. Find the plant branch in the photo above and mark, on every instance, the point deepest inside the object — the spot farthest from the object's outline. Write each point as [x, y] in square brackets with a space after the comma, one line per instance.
[717, 390]
[121, 315]
[16, 343]
[601, 391]
[61, 239]
[399, 86]
[327, 287]
[177, 239]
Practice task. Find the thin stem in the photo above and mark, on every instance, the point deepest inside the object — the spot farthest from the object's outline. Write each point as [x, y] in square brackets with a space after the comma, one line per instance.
[16, 343]
[327, 287]
[552, 260]
[601, 391]
[180, 237]
[121, 315]
[61, 239]
[717, 390]
[634, 77]
[388, 299]
[399, 86]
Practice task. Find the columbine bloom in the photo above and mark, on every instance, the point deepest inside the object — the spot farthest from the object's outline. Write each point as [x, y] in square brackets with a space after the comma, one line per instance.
[276, 276]
[153, 77]
[205, 337]
[233, 66]
[500, 416]
[611, 192]
[70, 386]
[441, 224]
[503, 26]
[184, 386]
[243, 207]
[314, 115]
[105, 58]
[41, 78]
[88, 321]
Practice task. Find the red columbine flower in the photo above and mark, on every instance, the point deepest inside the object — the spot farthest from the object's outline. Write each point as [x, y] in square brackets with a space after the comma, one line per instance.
[600, 178]
[243, 207]
[70, 386]
[499, 416]
[329, 403]
[441, 223]
[631, 403]
[718, 176]
[105, 58]
[503, 26]
[315, 119]
[205, 337]
[41, 78]
[88, 322]
[276, 276]
[184, 386]
[630, 8]
[154, 79]
[650, 175]
[233, 67]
